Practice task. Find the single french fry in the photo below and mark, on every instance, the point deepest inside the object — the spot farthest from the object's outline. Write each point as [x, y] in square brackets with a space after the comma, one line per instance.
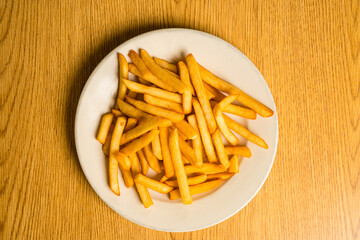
[209, 94]
[163, 103]
[205, 168]
[163, 178]
[224, 86]
[204, 132]
[172, 73]
[113, 176]
[184, 76]
[115, 144]
[127, 177]
[131, 123]
[186, 129]
[222, 175]
[117, 113]
[187, 151]
[223, 127]
[164, 142]
[181, 134]
[200, 91]
[237, 110]
[220, 149]
[142, 128]
[190, 181]
[146, 73]
[161, 74]
[215, 94]
[238, 150]
[139, 143]
[152, 184]
[153, 91]
[242, 131]
[179, 167]
[106, 121]
[163, 122]
[143, 162]
[156, 148]
[196, 142]
[134, 70]
[165, 64]
[234, 164]
[171, 115]
[123, 73]
[196, 189]
[106, 145]
[152, 160]
[226, 101]
[131, 111]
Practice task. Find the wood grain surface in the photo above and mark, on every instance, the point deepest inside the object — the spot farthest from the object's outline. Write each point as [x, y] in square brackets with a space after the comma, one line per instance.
[308, 52]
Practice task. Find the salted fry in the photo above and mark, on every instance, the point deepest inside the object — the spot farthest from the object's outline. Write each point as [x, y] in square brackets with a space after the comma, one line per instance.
[153, 91]
[131, 111]
[215, 94]
[123, 73]
[242, 131]
[163, 178]
[115, 144]
[164, 142]
[207, 168]
[223, 127]
[165, 64]
[163, 103]
[151, 159]
[209, 94]
[237, 110]
[179, 167]
[196, 189]
[152, 184]
[200, 91]
[156, 148]
[238, 150]
[143, 162]
[134, 70]
[172, 73]
[186, 129]
[106, 145]
[190, 180]
[117, 113]
[224, 86]
[171, 115]
[161, 74]
[127, 177]
[220, 149]
[196, 142]
[234, 164]
[106, 121]
[184, 76]
[131, 123]
[139, 143]
[223, 176]
[204, 132]
[187, 151]
[163, 122]
[142, 128]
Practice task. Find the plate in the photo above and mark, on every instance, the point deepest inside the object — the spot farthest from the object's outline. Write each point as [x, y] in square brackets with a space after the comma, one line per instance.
[224, 60]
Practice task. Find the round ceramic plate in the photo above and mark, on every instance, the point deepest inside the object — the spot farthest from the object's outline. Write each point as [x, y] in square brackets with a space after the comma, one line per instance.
[224, 60]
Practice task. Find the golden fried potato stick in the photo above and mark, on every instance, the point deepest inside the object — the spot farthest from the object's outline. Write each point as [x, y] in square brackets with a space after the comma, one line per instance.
[123, 73]
[184, 159]
[207, 168]
[134, 70]
[204, 132]
[224, 86]
[196, 142]
[131, 123]
[190, 180]
[146, 73]
[187, 151]
[242, 131]
[171, 115]
[117, 113]
[163, 178]
[153, 91]
[156, 147]
[215, 94]
[106, 121]
[106, 145]
[143, 127]
[223, 176]
[151, 159]
[179, 167]
[127, 177]
[222, 125]
[172, 73]
[200, 91]
[164, 142]
[234, 164]
[186, 129]
[209, 94]
[152, 184]
[163, 103]
[220, 149]
[237, 110]
[161, 74]
[139, 143]
[196, 189]
[165, 64]
[131, 111]
[238, 150]
[187, 95]
[143, 162]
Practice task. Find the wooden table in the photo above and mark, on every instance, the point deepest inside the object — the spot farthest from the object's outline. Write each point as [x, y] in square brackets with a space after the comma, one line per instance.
[308, 52]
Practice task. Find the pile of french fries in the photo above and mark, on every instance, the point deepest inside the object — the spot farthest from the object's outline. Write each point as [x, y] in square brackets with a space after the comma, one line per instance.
[171, 119]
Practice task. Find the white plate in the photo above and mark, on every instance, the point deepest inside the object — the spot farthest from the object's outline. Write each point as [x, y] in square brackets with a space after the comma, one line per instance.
[222, 59]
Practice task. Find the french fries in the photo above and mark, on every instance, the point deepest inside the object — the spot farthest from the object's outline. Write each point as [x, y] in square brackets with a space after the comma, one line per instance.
[143, 162]
[152, 184]
[165, 64]
[196, 189]
[222, 175]
[138, 131]
[187, 95]
[206, 168]
[186, 129]
[196, 142]
[106, 121]
[164, 142]
[190, 181]
[123, 73]
[139, 143]
[220, 149]
[151, 159]
[117, 113]
[238, 150]
[234, 164]
[163, 103]
[237, 110]
[156, 148]
[131, 123]
[215, 94]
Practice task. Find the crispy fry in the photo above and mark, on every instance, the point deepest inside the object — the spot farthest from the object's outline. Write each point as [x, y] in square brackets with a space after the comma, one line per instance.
[184, 76]
[115, 144]
[223, 127]
[200, 91]
[142, 128]
[131, 123]
[205, 168]
[196, 189]
[139, 143]
[156, 147]
[234, 164]
[152, 184]
[226, 101]
[131, 111]
[106, 145]
[143, 162]
[171, 115]
[204, 132]
[196, 142]
[165, 64]
[163, 103]
[179, 167]
[168, 165]
[187, 151]
[209, 94]
[113, 177]
[106, 121]
[123, 73]
[163, 178]
[161, 74]
[163, 94]
[242, 131]
[237, 110]
[127, 177]
[172, 73]
[224, 86]
[134, 70]
[163, 122]
[215, 94]
[186, 129]
[190, 181]
[220, 149]
[238, 150]
[223, 176]
[152, 160]
[117, 113]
